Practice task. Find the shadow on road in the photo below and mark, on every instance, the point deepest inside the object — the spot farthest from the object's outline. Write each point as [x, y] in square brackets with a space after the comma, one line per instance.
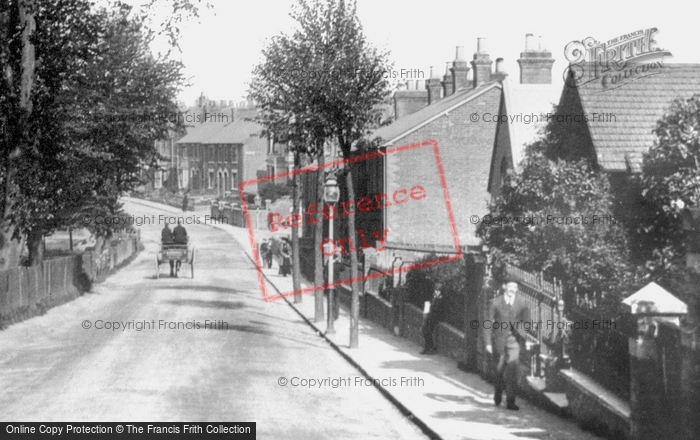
[226, 305]
[216, 289]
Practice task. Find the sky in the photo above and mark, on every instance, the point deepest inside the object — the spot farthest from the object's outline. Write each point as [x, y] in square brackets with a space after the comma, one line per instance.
[221, 48]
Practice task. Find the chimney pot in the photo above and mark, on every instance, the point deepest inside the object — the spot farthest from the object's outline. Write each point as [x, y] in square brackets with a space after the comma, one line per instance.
[410, 85]
[528, 43]
[420, 84]
[499, 65]
[481, 45]
[434, 73]
[540, 44]
[460, 54]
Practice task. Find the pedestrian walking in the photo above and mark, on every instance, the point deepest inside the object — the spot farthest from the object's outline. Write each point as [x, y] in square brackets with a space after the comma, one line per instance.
[286, 255]
[503, 343]
[185, 202]
[266, 253]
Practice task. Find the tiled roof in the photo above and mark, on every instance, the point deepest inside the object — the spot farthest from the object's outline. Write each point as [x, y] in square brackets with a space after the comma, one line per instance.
[636, 106]
[220, 132]
[408, 123]
[201, 133]
[527, 106]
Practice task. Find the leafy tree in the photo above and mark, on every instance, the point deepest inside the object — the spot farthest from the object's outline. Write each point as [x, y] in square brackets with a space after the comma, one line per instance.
[323, 84]
[274, 191]
[76, 134]
[670, 179]
[559, 222]
[670, 184]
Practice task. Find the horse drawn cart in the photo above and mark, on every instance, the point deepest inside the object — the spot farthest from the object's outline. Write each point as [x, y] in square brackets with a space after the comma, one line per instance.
[177, 254]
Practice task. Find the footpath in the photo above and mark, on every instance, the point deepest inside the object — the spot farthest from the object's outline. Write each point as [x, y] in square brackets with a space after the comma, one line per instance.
[444, 401]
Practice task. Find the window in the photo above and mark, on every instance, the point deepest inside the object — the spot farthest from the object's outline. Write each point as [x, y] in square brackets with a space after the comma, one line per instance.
[210, 184]
[234, 153]
[234, 180]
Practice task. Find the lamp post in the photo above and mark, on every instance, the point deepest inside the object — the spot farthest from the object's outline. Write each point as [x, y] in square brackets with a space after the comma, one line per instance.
[331, 195]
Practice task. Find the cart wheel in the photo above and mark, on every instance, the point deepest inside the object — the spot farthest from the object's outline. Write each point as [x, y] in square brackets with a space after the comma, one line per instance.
[192, 263]
[157, 264]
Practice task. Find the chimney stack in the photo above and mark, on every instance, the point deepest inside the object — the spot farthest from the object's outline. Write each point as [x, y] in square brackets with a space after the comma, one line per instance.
[460, 71]
[500, 74]
[433, 86]
[535, 63]
[410, 100]
[447, 82]
[481, 63]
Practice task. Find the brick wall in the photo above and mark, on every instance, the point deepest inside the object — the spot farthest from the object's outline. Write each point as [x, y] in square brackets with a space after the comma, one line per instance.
[466, 150]
[377, 310]
[412, 323]
[450, 342]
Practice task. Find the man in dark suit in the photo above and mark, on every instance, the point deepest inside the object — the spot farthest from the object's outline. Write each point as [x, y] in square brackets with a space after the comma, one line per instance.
[166, 235]
[180, 234]
[503, 341]
[431, 321]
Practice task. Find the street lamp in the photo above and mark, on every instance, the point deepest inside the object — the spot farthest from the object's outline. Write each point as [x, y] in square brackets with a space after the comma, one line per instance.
[331, 195]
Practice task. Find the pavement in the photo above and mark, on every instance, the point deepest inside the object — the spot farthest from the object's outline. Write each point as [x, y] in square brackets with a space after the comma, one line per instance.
[442, 400]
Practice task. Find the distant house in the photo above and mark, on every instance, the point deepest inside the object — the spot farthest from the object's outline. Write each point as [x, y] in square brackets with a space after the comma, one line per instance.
[216, 155]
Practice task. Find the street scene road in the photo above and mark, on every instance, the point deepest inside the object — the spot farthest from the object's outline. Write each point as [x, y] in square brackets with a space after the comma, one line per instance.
[54, 369]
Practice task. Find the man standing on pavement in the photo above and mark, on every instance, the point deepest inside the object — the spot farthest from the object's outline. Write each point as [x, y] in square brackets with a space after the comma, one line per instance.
[185, 202]
[503, 336]
[431, 321]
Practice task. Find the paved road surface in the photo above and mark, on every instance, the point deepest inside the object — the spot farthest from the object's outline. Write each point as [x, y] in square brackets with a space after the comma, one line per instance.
[52, 369]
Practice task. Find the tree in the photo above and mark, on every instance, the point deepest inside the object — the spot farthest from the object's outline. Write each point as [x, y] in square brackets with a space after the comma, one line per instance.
[559, 222]
[328, 79]
[669, 185]
[96, 102]
[100, 100]
[274, 191]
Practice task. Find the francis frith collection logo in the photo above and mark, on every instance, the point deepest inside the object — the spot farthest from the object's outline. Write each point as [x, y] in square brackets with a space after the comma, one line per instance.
[614, 62]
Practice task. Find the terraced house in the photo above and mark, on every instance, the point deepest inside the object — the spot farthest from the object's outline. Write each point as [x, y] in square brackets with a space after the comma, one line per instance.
[217, 154]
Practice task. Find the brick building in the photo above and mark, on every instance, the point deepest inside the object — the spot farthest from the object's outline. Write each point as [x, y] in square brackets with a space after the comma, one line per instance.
[217, 154]
[460, 111]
